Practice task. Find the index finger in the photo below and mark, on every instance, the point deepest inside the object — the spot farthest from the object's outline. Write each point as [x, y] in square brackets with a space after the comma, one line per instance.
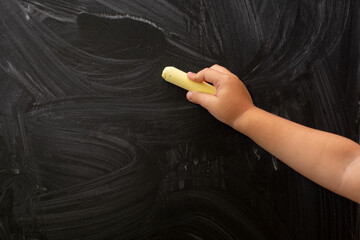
[220, 69]
[208, 75]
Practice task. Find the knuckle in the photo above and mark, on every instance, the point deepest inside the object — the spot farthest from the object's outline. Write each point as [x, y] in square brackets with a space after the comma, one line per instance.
[228, 77]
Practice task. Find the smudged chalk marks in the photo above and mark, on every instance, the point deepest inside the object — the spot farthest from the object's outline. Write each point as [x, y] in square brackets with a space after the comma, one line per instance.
[94, 145]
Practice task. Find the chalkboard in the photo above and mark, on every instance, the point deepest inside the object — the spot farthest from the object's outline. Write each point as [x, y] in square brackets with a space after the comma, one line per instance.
[95, 145]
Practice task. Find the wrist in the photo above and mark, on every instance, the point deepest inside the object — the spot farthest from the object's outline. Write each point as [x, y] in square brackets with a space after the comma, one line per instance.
[243, 121]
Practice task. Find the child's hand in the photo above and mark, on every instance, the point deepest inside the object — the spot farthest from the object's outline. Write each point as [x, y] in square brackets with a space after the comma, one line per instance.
[231, 99]
[328, 159]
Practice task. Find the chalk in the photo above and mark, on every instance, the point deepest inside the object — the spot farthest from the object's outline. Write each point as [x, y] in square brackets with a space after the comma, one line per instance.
[180, 79]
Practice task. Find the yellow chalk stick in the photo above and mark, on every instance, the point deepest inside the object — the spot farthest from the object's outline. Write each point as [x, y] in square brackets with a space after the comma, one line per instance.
[180, 79]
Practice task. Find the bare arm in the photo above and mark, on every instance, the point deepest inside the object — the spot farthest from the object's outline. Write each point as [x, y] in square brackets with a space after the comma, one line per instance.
[330, 160]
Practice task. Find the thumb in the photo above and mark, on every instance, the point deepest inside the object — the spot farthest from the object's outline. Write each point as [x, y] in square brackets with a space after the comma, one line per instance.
[203, 99]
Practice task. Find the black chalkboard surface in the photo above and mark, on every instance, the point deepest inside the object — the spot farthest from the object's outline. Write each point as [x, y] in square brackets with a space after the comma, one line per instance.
[95, 145]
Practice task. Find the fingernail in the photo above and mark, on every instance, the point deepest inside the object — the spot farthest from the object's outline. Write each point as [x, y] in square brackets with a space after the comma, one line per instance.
[191, 75]
[188, 95]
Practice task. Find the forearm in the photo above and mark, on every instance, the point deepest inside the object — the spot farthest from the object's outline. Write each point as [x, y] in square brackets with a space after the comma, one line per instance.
[320, 156]
[328, 159]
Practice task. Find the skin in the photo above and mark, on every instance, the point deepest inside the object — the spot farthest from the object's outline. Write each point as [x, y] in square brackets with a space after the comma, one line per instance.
[330, 160]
